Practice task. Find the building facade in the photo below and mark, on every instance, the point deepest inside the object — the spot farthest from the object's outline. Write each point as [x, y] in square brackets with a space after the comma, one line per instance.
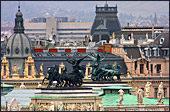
[146, 63]
[61, 28]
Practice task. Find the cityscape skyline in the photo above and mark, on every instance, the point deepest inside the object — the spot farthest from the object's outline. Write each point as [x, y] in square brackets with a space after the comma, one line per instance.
[86, 10]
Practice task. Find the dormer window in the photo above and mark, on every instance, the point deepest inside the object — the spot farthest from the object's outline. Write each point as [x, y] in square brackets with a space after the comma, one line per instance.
[161, 40]
[146, 51]
[156, 51]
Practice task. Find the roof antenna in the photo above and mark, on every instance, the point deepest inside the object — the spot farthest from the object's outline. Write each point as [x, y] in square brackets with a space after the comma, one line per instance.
[18, 5]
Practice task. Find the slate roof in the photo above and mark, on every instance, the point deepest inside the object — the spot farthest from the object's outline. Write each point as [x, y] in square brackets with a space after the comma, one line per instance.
[166, 40]
[112, 25]
[132, 51]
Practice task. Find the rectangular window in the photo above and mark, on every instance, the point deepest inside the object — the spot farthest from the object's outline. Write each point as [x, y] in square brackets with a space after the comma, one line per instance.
[155, 92]
[29, 70]
[141, 68]
[151, 68]
[158, 68]
[165, 92]
[4, 70]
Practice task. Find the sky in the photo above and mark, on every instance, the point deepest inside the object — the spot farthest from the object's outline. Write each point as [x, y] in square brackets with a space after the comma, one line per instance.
[38, 8]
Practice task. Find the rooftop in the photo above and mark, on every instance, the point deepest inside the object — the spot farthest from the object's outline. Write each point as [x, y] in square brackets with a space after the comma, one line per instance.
[113, 100]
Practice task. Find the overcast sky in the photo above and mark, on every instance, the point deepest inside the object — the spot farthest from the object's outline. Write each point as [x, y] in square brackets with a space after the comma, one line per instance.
[33, 8]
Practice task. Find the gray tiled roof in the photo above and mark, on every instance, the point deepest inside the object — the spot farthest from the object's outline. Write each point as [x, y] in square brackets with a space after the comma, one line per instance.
[132, 51]
[166, 40]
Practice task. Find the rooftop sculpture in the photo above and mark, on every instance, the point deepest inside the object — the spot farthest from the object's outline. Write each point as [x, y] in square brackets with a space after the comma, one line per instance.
[104, 74]
[66, 79]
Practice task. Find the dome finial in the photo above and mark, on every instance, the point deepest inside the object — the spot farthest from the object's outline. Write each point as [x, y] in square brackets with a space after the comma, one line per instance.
[19, 26]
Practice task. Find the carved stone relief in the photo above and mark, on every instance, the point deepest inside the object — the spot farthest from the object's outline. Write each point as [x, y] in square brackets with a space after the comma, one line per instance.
[77, 107]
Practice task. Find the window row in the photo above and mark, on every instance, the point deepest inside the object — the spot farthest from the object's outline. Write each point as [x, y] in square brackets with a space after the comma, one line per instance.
[71, 37]
[35, 29]
[85, 29]
[35, 33]
[73, 33]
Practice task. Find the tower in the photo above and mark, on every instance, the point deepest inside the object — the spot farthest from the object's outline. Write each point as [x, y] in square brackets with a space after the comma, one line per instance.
[18, 47]
[109, 15]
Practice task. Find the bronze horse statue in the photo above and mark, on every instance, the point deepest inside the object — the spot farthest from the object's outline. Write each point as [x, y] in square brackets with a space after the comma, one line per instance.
[66, 79]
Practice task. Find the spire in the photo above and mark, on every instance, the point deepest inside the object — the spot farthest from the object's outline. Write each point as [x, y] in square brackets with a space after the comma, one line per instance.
[19, 27]
[155, 19]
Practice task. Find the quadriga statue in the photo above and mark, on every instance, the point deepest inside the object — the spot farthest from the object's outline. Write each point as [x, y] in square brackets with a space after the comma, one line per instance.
[103, 74]
[66, 79]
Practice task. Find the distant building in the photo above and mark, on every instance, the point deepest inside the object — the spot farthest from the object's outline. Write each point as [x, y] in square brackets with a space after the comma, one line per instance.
[62, 28]
[107, 15]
